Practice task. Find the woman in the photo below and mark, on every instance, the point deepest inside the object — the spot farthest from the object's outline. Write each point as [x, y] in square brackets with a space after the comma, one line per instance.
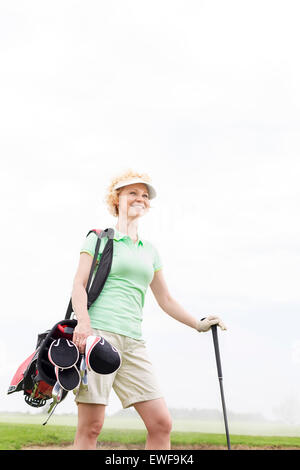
[117, 315]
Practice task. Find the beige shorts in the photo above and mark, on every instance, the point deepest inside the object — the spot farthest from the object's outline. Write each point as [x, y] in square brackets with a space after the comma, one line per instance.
[133, 382]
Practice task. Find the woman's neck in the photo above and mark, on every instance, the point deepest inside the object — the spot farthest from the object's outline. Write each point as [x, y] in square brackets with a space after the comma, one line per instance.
[130, 230]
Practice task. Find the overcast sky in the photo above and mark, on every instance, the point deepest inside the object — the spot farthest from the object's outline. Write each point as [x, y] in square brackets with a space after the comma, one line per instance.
[204, 97]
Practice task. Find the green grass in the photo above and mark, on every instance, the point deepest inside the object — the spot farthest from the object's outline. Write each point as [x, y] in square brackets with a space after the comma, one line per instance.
[17, 435]
[180, 425]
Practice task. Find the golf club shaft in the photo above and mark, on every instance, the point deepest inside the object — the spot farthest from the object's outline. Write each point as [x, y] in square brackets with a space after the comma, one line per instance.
[50, 411]
[220, 376]
[224, 413]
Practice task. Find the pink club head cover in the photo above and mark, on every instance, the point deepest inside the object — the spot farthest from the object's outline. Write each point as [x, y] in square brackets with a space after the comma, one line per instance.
[101, 356]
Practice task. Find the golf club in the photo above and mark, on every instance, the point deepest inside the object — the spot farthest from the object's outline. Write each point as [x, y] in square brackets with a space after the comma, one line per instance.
[220, 376]
[57, 397]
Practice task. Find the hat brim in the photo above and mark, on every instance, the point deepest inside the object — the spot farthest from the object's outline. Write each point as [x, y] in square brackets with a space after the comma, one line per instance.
[151, 190]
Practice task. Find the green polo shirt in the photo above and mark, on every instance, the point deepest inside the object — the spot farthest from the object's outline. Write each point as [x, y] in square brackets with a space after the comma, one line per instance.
[119, 306]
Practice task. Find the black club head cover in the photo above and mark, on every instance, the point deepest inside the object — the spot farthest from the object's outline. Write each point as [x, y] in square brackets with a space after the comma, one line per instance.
[101, 356]
[63, 353]
[68, 379]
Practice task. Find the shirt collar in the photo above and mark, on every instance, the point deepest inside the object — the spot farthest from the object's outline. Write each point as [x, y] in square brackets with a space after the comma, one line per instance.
[119, 236]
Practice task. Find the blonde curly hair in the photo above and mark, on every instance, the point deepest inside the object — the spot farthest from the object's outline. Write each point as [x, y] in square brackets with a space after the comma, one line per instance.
[112, 195]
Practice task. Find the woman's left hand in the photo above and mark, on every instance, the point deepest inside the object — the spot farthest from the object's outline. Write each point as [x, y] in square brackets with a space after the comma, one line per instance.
[206, 323]
[80, 334]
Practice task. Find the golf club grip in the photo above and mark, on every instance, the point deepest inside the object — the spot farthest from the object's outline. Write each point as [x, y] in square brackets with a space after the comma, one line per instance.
[217, 350]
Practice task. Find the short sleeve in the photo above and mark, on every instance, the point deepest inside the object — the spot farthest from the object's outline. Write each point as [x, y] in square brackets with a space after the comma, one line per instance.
[157, 261]
[89, 244]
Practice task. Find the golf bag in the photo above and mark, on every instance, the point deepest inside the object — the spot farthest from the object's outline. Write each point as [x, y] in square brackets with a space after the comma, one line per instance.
[36, 375]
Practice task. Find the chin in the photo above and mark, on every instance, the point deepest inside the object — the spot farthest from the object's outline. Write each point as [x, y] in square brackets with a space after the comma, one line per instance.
[140, 211]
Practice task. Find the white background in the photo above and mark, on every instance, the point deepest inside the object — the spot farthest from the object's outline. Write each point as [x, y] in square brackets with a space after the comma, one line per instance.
[204, 97]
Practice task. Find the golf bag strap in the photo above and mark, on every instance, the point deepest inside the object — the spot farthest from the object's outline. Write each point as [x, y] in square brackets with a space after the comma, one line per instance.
[103, 268]
[108, 232]
[94, 259]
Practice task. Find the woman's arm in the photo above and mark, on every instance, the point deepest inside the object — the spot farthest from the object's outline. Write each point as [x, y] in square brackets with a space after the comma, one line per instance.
[79, 301]
[168, 303]
[175, 310]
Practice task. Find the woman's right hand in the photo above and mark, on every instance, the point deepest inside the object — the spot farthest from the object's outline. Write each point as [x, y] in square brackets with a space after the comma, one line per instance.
[81, 332]
[207, 322]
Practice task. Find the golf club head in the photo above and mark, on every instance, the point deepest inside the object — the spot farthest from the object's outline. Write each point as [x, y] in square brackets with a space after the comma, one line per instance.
[57, 393]
[83, 376]
[82, 367]
[83, 373]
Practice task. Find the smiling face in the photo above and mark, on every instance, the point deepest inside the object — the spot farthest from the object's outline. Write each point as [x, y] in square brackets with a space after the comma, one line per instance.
[134, 199]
